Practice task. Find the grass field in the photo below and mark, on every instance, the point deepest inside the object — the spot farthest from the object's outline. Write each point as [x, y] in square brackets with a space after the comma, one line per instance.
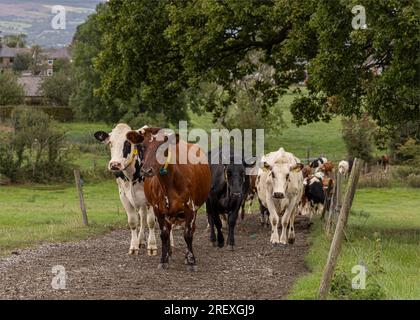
[391, 213]
[37, 213]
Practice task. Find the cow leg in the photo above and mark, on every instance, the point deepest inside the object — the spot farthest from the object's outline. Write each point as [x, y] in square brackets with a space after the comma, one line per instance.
[218, 225]
[210, 219]
[243, 208]
[133, 223]
[262, 212]
[285, 220]
[291, 235]
[143, 221]
[151, 241]
[232, 217]
[188, 236]
[274, 220]
[165, 230]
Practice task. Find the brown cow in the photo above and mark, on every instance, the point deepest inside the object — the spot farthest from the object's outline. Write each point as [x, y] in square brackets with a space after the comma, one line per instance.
[175, 190]
[327, 167]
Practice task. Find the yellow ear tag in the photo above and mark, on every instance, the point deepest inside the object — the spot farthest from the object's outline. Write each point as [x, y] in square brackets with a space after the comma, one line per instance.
[135, 151]
[265, 169]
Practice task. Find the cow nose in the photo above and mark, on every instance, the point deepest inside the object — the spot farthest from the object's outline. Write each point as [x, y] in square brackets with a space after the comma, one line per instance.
[115, 166]
[147, 172]
[236, 194]
[278, 195]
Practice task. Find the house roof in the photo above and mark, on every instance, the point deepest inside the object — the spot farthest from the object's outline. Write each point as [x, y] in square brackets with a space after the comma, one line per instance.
[6, 52]
[61, 53]
[31, 85]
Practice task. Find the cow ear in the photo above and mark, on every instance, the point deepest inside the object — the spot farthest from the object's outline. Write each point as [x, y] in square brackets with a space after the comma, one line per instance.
[101, 136]
[297, 167]
[135, 137]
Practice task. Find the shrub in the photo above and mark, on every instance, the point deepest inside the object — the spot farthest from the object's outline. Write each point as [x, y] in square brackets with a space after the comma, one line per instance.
[375, 180]
[341, 288]
[35, 150]
[409, 152]
[413, 181]
[11, 93]
[359, 136]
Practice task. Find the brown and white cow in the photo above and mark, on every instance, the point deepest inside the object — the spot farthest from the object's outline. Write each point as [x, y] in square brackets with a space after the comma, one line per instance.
[176, 190]
[126, 166]
[280, 188]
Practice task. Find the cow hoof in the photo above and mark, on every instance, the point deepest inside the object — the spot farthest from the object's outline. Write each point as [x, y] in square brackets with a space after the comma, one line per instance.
[192, 268]
[163, 266]
[133, 252]
[275, 245]
[152, 252]
[231, 248]
[291, 240]
[221, 244]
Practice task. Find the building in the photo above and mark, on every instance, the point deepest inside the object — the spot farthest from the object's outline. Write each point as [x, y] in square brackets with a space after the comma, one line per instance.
[7, 55]
[32, 89]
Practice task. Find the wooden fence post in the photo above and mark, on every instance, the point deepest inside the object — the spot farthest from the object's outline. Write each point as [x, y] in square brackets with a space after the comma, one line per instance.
[332, 207]
[81, 197]
[339, 230]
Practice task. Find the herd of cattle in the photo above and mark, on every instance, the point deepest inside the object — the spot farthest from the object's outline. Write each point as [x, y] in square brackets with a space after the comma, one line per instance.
[172, 193]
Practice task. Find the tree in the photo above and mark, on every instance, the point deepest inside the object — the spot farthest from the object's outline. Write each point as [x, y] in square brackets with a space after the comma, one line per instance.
[359, 136]
[15, 41]
[156, 51]
[22, 62]
[86, 46]
[11, 93]
[58, 88]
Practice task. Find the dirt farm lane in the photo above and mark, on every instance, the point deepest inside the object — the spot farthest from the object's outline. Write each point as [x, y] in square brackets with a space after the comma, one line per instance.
[100, 268]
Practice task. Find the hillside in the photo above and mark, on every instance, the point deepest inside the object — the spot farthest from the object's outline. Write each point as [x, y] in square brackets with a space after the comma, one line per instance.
[34, 19]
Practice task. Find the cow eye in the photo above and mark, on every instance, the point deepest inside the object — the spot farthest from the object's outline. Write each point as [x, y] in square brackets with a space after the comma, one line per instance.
[272, 174]
[287, 177]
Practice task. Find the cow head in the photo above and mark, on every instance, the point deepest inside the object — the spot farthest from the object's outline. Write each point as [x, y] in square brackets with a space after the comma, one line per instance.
[150, 140]
[279, 175]
[236, 179]
[121, 150]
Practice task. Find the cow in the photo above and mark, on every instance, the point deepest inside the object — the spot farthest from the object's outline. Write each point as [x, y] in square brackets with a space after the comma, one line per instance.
[229, 189]
[126, 165]
[175, 189]
[313, 198]
[306, 171]
[383, 161]
[251, 192]
[343, 167]
[280, 189]
[318, 162]
[326, 168]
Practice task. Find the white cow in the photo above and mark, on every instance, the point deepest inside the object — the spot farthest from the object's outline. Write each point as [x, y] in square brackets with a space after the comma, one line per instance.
[343, 167]
[280, 188]
[126, 165]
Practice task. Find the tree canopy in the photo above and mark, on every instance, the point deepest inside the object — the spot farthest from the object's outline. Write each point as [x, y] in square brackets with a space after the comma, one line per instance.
[148, 55]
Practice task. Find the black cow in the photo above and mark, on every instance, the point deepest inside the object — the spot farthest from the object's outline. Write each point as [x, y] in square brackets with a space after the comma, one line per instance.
[229, 186]
[314, 195]
[318, 162]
